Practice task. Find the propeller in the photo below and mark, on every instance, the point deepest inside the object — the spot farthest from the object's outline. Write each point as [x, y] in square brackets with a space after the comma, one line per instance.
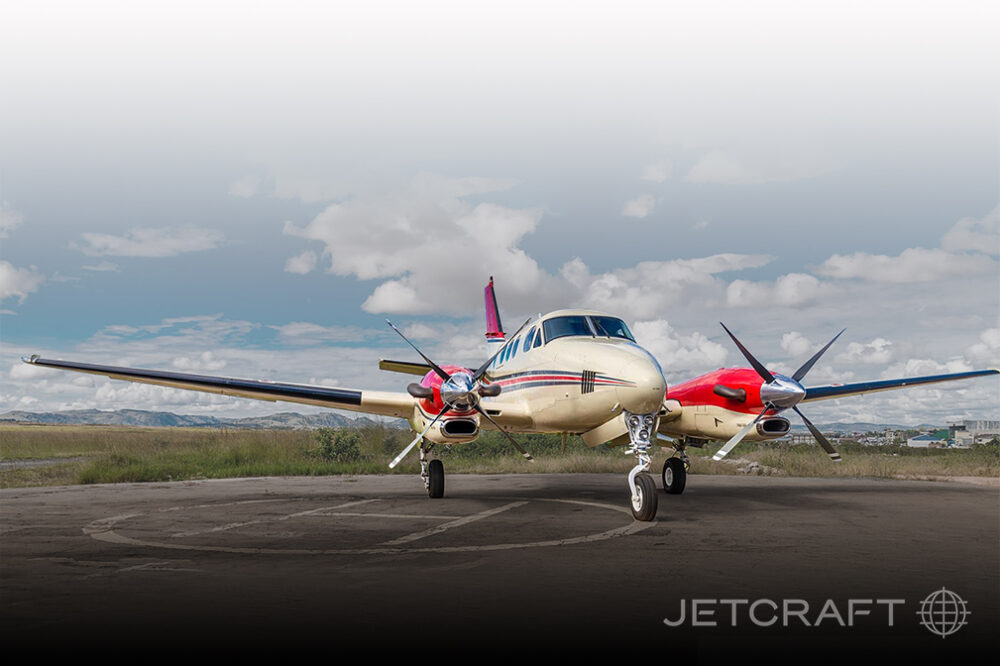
[779, 392]
[461, 391]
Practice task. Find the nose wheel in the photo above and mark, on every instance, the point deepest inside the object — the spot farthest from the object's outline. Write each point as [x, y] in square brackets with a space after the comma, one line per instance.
[644, 498]
[432, 472]
[435, 479]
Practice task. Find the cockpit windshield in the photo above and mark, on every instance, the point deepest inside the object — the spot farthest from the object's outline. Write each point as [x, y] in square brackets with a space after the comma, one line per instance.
[588, 325]
[560, 327]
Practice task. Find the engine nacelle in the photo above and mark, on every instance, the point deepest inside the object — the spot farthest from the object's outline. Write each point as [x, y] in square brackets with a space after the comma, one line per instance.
[452, 428]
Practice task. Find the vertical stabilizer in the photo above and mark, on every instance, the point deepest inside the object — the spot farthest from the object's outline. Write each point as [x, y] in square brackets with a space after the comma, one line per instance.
[494, 328]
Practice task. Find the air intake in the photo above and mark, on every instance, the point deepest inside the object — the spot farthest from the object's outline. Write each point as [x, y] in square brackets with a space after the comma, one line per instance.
[459, 428]
[773, 426]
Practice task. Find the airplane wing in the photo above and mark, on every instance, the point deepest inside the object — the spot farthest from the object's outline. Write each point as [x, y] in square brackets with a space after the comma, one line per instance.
[827, 392]
[370, 402]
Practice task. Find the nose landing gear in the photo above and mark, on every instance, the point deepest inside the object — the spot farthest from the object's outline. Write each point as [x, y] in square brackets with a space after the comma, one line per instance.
[432, 472]
[644, 501]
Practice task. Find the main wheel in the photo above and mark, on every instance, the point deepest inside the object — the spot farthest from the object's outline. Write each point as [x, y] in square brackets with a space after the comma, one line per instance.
[644, 501]
[674, 476]
[436, 472]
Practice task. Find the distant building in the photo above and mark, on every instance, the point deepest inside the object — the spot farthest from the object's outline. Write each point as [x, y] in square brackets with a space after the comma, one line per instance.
[926, 441]
[966, 433]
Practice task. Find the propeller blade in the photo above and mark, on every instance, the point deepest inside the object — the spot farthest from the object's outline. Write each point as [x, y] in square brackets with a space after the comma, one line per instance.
[441, 373]
[482, 369]
[757, 365]
[418, 437]
[731, 444]
[505, 434]
[823, 441]
[801, 372]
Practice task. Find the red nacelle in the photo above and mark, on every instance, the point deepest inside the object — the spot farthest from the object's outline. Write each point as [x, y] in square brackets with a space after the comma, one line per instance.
[701, 391]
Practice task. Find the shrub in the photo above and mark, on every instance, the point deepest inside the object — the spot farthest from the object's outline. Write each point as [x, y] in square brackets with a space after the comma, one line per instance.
[338, 445]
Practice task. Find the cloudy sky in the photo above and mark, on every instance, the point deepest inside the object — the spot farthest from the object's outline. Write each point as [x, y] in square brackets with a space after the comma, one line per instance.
[249, 189]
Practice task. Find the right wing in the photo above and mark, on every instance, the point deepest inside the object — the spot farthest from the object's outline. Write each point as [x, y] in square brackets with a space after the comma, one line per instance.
[370, 402]
[827, 392]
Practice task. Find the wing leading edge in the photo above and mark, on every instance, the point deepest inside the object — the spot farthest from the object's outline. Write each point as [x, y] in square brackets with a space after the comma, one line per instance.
[371, 402]
[827, 392]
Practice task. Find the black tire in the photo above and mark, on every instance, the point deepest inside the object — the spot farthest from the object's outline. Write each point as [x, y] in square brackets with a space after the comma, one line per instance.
[644, 505]
[436, 472]
[674, 476]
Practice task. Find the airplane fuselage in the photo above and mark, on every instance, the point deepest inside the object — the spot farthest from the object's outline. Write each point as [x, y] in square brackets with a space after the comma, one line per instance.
[571, 383]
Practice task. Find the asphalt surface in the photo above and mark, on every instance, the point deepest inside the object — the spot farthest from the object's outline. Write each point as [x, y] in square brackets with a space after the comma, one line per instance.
[503, 563]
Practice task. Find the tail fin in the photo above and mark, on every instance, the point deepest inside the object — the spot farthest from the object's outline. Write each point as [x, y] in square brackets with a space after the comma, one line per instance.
[494, 328]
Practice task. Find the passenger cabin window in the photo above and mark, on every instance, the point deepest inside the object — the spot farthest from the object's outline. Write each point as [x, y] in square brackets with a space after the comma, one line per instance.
[561, 327]
[612, 327]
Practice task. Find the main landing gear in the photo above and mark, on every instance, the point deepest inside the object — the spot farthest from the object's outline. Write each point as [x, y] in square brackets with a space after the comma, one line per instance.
[432, 472]
[640, 426]
[674, 476]
[675, 470]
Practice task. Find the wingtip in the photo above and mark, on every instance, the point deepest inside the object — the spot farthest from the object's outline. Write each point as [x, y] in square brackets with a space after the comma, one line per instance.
[30, 359]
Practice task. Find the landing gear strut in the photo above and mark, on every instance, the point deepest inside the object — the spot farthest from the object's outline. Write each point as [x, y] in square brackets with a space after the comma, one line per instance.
[640, 426]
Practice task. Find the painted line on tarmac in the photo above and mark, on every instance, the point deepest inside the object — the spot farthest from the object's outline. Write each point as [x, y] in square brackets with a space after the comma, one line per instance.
[103, 529]
[233, 526]
[455, 523]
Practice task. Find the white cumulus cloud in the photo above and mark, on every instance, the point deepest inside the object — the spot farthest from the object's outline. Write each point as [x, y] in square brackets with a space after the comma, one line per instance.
[18, 282]
[427, 245]
[658, 172]
[877, 352]
[145, 242]
[912, 265]
[793, 289]
[639, 207]
[680, 356]
[975, 235]
[302, 263]
[9, 219]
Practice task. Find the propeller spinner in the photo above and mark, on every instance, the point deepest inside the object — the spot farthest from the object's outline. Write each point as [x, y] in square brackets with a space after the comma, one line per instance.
[779, 393]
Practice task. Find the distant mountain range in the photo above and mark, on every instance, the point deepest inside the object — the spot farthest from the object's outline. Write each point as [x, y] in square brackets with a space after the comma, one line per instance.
[296, 421]
[139, 417]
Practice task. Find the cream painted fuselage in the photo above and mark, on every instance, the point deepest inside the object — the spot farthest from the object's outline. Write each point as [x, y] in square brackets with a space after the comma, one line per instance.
[570, 384]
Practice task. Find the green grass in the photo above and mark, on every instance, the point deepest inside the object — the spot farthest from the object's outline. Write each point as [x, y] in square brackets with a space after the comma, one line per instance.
[108, 454]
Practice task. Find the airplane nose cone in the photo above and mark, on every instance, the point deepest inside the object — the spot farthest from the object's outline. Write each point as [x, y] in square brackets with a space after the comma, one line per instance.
[648, 386]
[783, 392]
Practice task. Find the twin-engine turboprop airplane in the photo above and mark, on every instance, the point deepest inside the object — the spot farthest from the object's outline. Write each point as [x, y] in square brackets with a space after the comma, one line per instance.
[569, 371]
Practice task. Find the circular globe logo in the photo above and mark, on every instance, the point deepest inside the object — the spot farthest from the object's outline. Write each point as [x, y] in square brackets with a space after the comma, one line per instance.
[943, 612]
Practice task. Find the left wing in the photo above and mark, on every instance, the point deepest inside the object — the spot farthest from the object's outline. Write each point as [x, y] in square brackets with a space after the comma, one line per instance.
[371, 402]
[827, 392]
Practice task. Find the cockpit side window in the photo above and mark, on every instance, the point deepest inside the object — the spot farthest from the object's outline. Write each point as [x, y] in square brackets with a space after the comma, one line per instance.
[538, 338]
[612, 327]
